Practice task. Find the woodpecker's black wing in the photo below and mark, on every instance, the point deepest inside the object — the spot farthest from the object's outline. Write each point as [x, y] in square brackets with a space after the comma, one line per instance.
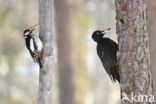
[107, 51]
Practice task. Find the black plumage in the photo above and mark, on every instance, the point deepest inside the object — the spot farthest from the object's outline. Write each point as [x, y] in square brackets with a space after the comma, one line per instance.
[107, 52]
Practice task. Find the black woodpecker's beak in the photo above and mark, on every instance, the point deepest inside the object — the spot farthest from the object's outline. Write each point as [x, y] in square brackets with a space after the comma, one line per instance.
[105, 31]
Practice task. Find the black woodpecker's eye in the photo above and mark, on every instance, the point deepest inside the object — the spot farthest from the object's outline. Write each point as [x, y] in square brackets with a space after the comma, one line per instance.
[97, 36]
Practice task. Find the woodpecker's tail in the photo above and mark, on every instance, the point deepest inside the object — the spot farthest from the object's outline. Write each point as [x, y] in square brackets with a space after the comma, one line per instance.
[40, 63]
[115, 73]
[38, 58]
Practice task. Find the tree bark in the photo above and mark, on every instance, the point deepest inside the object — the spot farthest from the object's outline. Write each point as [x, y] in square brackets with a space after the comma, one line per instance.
[134, 54]
[46, 35]
[152, 31]
[65, 51]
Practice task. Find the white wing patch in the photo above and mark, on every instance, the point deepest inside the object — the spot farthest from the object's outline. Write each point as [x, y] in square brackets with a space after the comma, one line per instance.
[38, 43]
[32, 47]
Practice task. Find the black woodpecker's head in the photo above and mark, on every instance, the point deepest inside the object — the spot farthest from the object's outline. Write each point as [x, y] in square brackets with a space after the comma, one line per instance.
[98, 34]
[27, 32]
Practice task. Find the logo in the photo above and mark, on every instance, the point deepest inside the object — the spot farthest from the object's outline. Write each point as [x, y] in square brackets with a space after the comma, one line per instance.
[138, 98]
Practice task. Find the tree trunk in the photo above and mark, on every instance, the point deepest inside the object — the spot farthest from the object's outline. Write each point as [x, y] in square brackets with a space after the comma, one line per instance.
[152, 31]
[46, 35]
[65, 51]
[134, 57]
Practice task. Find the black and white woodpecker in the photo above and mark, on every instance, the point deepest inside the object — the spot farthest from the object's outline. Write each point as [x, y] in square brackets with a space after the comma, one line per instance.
[34, 45]
[107, 52]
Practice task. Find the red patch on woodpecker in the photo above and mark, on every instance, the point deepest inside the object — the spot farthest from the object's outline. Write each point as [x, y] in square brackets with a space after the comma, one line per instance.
[40, 55]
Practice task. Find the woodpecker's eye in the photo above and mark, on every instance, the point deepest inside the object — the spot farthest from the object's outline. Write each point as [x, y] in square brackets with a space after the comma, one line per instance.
[98, 33]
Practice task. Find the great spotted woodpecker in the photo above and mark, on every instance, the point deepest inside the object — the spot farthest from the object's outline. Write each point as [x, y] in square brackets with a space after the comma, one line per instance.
[34, 45]
[107, 52]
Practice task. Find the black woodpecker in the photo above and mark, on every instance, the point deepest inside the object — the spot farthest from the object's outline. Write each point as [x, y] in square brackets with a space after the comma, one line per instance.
[107, 52]
[34, 46]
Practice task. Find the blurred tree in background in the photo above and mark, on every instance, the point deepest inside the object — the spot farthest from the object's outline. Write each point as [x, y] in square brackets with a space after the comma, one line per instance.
[66, 67]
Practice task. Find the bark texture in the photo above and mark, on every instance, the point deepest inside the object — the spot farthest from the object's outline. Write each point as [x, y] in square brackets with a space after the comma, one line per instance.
[65, 51]
[133, 48]
[46, 35]
[151, 8]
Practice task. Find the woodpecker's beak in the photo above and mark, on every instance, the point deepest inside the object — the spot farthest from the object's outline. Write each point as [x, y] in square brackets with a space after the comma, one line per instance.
[105, 31]
[32, 29]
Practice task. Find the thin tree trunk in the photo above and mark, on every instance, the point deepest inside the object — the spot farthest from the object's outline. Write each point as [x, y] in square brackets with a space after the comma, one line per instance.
[65, 51]
[46, 35]
[152, 35]
[134, 50]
